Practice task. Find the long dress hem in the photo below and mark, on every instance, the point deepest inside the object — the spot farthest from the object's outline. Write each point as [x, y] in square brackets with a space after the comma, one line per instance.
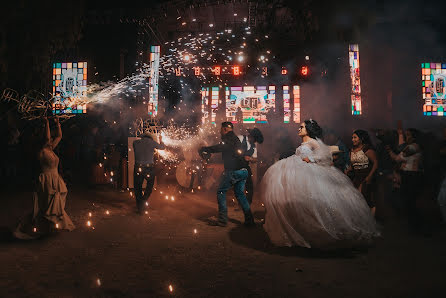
[314, 204]
[49, 200]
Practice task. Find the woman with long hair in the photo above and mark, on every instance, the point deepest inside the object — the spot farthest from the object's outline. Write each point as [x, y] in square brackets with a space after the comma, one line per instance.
[311, 203]
[50, 192]
[363, 166]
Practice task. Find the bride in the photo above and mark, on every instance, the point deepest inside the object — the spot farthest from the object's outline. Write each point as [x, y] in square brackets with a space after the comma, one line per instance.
[310, 203]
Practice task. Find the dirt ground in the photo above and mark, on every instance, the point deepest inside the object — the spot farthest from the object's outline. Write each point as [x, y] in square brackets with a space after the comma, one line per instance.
[126, 255]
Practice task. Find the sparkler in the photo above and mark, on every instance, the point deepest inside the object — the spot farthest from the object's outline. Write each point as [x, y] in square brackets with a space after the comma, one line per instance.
[32, 105]
[188, 51]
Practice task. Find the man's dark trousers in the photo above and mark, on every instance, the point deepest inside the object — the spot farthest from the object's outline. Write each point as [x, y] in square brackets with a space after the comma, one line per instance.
[141, 173]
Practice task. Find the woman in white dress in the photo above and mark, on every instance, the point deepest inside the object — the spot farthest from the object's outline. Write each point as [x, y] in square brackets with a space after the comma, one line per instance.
[50, 194]
[310, 203]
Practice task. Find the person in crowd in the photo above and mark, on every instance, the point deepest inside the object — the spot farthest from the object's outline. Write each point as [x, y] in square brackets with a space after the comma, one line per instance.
[50, 192]
[285, 147]
[239, 116]
[441, 199]
[234, 175]
[250, 155]
[271, 116]
[312, 204]
[144, 169]
[410, 159]
[363, 166]
[341, 156]
[387, 193]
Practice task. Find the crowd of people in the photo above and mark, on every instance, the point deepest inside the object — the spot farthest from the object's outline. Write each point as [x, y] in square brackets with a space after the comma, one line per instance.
[323, 196]
[315, 196]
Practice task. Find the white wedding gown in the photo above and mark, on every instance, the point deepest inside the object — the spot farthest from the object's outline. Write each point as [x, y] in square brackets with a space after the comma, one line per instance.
[314, 204]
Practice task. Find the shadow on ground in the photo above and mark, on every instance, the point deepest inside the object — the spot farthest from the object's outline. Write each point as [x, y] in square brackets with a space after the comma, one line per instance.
[6, 235]
[256, 238]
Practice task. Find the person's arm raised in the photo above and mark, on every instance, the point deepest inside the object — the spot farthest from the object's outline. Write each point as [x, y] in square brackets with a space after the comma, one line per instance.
[58, 136]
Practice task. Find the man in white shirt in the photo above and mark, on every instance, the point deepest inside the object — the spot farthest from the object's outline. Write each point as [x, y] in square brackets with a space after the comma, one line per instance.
[250, 155]
[144, 150]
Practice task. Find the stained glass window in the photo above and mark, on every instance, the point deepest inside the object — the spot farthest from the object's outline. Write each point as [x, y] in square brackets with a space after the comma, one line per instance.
[296, 108]
[154, 80]
[433, 77]
[355, 94]
[70, 87]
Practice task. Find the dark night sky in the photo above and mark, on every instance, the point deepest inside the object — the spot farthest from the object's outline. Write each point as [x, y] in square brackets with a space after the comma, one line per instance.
[35, 33]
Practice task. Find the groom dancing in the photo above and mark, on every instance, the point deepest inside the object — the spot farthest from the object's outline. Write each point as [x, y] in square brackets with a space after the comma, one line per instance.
[234, 175]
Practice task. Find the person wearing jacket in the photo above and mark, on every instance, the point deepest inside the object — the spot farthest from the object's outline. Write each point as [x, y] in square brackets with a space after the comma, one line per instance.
[234, 175]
